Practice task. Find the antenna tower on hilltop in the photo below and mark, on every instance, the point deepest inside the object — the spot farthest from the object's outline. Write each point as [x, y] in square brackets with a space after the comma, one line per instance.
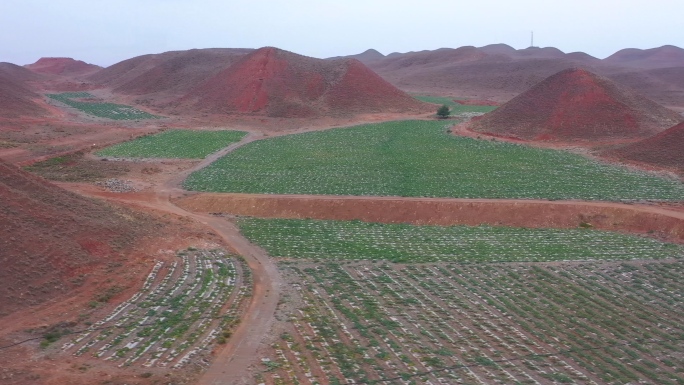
[531, 39]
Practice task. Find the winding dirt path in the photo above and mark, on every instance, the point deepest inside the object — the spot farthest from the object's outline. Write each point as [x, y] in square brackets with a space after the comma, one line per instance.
[231, 365]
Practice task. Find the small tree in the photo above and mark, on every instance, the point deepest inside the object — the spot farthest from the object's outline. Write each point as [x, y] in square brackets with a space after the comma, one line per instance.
[443, 112]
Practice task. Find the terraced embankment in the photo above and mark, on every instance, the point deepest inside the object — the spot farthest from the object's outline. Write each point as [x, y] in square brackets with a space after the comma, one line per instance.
[661, 221]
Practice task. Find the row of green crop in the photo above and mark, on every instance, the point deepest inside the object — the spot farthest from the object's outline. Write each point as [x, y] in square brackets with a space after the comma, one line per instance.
[484, 323]
[175, 315]
[101, 109]
[418, 158]
[189, 144]
[343, 240]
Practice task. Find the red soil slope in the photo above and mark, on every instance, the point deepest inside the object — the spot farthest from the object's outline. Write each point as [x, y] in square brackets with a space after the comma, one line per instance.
[498, 49]
[62, 66]
[500, 72]
[367, 56]
[663, 85]
[661, 57]
[16, 99]
[492, 72]
[52, 239]
[664, 149]
[279, 83]
[168, 75]
[430, 58]
[577, 104]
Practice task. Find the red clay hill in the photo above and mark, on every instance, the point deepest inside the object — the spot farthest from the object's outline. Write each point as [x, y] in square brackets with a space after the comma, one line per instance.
[278, 83]
[53, 239]
[577, 104]
[62, 66]
[665, 149]
[16, 97]
[501, 72]
[166, 76]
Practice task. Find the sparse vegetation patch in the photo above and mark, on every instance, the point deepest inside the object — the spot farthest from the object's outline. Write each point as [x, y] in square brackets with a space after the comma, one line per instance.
[76, 168]
[182, 309]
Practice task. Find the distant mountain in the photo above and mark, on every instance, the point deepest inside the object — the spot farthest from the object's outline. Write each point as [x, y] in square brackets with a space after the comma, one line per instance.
[661, 57]
[367, 56]
[577, 104]
[663, 85]
[476, 74]
[500, 72]
[540, 53]
[498, 49]
[442, 56]
[62, 66]
[496, 72]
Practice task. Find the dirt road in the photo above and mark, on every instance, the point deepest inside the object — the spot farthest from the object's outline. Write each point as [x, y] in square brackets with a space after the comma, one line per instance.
[231, 365]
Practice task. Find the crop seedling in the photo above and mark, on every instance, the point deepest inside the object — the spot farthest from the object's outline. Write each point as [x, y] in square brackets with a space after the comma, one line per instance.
[515, 322]
[175, 315]
[100, 109]
[401, 243]
[188, 144]
[419, 159]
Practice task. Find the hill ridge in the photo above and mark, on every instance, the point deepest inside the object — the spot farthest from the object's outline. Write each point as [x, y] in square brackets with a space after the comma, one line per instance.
[663, 149]
[577, 104]
[62, 66]
[279, 83]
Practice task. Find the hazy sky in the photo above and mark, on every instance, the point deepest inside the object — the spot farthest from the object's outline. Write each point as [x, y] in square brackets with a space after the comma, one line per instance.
[107, 31]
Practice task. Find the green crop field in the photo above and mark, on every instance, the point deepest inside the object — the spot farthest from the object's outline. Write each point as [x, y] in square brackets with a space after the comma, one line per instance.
[379, 303]
[101, 109]
[187, 144]
[418, 158]
[185, 306]
[456, 109]
[339, 240]
[449, 323]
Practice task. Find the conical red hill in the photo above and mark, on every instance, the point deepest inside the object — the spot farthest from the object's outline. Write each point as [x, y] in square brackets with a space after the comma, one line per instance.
[16, 99]
[62, 66]
[52, 239]
[577, 104]
[278, 83]
[665, 149]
